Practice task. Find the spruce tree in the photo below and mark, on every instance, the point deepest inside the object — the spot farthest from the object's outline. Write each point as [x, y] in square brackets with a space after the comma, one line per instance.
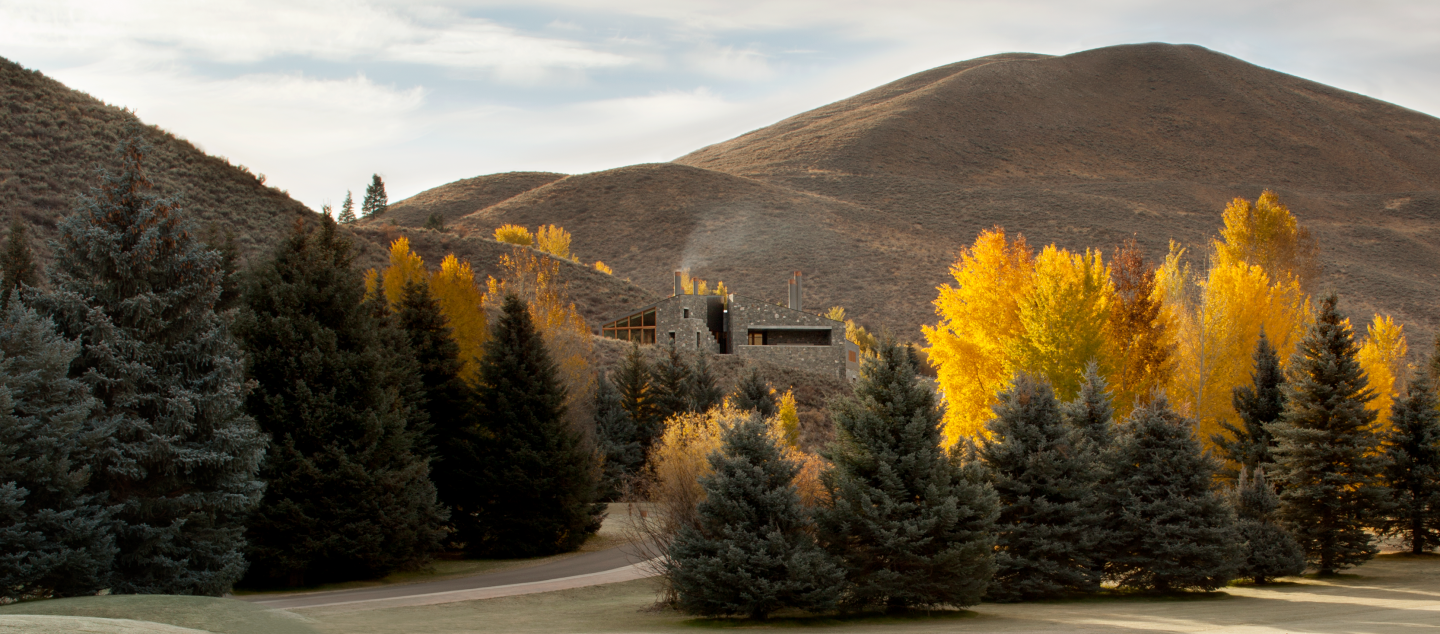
[751, 550]
[1327, 455]
[637, 396]
[541, 481]
[617, 436]
[1092, 413]
[1258, 404]
[1168, 529]
[222, 241]
[704, 391]
[446, 395]
[347, 209]
[752, 393]
[17, 265]
[1048, 529]
[55, 536]
[348, 493]
[670, 385]
[435, 222]
[179, 456]
[376, 202]
[906, 525]
[1267, 550]
[1413, 470]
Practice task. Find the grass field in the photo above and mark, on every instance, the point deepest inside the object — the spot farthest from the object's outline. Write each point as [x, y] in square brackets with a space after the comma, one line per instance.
[163, 614]
[1393, 594]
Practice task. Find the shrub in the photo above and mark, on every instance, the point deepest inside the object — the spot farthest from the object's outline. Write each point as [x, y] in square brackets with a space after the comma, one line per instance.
[514, 234]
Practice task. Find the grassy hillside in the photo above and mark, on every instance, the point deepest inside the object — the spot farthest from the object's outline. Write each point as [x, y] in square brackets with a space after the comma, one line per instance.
[873, 196]
[53, 138]
[460, 198]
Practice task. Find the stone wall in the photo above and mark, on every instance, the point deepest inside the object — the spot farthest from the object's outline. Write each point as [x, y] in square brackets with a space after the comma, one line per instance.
[747, 313]
[670, 318]
[827, 360]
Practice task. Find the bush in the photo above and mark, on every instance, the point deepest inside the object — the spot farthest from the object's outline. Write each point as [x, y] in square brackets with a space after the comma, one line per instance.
[514, 234]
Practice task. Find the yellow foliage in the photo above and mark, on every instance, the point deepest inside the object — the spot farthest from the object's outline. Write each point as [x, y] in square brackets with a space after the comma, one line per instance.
[405, 267]
[1139, 335]
[1064, 318]
[1383, 359]
[686, 286]
[980, 320]
[462, 303]
[514, 234]
[1267, 235]
[536, 280]
[854, 333]
[600, 266]
[787, 420]
[1217, 323]
[553, 240]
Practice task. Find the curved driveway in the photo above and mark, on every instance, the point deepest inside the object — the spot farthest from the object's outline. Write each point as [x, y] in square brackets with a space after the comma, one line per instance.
[588, 565]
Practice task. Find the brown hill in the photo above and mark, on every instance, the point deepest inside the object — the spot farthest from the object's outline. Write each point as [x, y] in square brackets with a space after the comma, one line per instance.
[462, 197]
[52, 139]
[873, 196]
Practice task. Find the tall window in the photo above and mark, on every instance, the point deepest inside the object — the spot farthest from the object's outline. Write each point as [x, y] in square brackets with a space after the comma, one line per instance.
[639, 328]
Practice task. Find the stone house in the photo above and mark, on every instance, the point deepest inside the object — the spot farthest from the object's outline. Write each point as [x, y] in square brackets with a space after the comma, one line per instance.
[749, 327]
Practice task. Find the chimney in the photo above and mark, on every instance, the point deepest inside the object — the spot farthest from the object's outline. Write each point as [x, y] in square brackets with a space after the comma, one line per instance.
[791, 303]
[694, 286]
[799, 290]
[679, 289]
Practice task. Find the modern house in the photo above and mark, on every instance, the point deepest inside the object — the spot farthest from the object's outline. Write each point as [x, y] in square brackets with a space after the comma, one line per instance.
[752, 328]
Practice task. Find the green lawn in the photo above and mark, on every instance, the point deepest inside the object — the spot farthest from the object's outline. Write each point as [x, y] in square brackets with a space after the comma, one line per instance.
[109, 614]
[1391, 595]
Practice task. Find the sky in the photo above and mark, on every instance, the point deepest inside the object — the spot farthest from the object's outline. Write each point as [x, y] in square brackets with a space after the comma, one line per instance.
[320, 94]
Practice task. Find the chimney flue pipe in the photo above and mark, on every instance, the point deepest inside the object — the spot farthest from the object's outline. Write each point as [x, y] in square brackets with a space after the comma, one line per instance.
[679, 288]
[799, 291]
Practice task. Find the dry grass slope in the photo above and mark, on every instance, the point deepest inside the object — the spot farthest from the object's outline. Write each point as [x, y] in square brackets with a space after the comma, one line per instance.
[462, 197]
[873, 196]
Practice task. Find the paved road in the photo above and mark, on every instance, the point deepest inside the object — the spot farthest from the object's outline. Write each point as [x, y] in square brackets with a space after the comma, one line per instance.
[588, 563]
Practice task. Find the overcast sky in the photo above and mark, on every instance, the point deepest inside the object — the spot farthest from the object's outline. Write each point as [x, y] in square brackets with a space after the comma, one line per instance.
[318, 94]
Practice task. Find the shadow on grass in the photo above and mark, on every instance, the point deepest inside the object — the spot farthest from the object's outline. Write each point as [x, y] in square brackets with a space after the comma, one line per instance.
[831, 620]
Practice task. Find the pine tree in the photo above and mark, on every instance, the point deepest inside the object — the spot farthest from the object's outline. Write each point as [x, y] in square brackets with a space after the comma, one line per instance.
[435, 222]
[179, 456]
[375, 201]
[1049, 519]
[446, 395]
[222, 241]
[1327, 455]
[347, 209]
[751, 551]
[1169, 530]
[1413, 472]
[348, 494]
[54, 536]
[17, 265]
[1092, 413]
[542, 483]
[908, 528]
[704, 391]
[617, 436]
[754, 394]
[637, 397]
[670, 384]
[1258, 404]
[1267, 551]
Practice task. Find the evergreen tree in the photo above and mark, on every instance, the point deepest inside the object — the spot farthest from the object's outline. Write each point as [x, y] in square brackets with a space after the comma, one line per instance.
[179, 455]
[637, 397]
[906, 525]
[348, 494]
[1091, 413]
[17, 265]
[1413, 472]
[347, 209]
[375, 201]
[1049, 520]
[223, 242]
[752, 393]
[1259, 404]
[446, 395]
[670, 384]
[704, 391]
[751, 550]
[617, 436]
[541, 481]
[54, 536]
[1267, 551]
[1169, 530]
[1327, 455]
[435, 222]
